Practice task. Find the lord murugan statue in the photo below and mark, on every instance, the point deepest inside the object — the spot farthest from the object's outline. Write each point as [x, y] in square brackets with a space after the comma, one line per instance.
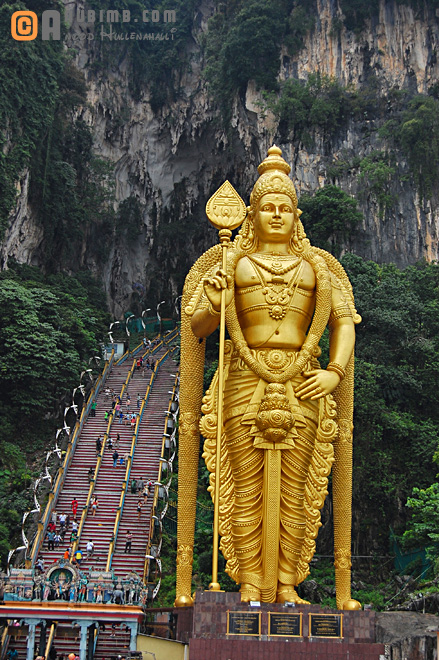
[284, 420]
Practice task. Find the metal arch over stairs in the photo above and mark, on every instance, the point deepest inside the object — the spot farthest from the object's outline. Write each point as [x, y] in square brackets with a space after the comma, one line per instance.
[94, 609]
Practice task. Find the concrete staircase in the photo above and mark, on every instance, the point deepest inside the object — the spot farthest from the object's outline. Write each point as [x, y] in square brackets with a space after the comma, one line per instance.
[113, 637]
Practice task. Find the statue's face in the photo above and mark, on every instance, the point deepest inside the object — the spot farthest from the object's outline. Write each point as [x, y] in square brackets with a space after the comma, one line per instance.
[274, 218]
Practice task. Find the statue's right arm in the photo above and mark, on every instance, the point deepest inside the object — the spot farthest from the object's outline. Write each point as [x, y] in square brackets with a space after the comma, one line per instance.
[206, 317]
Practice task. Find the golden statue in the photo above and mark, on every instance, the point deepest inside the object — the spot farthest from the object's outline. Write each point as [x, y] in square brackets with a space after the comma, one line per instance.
[284, 420]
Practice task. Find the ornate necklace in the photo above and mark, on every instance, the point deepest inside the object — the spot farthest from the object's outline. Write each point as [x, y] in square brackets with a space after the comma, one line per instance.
[277, 295]
[275, 267]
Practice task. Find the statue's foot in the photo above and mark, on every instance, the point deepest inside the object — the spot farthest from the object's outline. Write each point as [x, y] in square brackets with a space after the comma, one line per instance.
[249, 592]
[288, 594]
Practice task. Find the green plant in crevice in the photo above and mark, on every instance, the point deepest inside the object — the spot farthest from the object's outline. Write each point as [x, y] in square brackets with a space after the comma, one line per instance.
[375, 177]
[300, 22]
[418, 136]
[71, 189]
[72, 193]
[356, 12]
[129, 218]
[342, 166]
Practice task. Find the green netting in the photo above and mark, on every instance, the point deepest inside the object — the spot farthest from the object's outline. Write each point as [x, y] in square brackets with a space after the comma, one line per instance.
[404, 559]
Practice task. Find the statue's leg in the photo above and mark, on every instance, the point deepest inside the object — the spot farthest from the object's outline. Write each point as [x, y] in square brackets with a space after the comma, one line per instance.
[247, 465]
[295, 466]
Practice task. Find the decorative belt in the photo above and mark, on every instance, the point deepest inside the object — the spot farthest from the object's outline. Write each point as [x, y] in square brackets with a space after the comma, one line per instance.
[274, 359]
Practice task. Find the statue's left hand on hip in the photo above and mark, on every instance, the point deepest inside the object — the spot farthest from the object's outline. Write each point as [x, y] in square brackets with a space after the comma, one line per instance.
[318, 383]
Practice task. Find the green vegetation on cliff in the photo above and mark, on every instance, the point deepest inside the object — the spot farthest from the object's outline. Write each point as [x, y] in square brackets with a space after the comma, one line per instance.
[244, 42]
[70, 189]
[376, 172]
[49, 328]
[415, 130]
[301, 106]
[158, 62]
[31, 71]
[330, 217]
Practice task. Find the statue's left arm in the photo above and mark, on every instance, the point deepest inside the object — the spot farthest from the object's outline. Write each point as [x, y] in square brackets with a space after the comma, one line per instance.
[320, 382]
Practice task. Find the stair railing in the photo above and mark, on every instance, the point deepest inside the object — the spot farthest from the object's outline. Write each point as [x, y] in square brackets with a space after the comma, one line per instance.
[5, 640]
[53, 495]
[50, 640]
[148, 556]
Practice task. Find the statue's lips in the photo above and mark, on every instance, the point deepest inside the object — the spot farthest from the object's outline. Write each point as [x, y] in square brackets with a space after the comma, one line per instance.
[276, 225]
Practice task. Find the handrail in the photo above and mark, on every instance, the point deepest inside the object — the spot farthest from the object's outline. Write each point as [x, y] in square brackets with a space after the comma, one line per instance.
[163, 340]
[98, 464]
[54, 492]
[129, 463]
[5, 640]
[95, 639]
[50, 640]
[154, 503]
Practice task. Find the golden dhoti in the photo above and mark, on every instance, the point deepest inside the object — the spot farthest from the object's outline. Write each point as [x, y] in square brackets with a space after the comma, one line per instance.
[268, 519]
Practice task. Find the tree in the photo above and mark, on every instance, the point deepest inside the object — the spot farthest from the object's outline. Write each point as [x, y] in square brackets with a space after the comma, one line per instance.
[396, 416]
[330, 216]
[424, 524]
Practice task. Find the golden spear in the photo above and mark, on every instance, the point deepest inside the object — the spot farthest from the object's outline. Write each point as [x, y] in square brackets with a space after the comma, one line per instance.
[226, 211]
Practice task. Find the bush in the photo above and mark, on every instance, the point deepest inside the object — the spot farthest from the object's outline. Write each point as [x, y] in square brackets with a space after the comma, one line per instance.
[375, 177]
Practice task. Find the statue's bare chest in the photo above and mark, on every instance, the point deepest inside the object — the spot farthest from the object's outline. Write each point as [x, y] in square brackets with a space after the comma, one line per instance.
[274, 271]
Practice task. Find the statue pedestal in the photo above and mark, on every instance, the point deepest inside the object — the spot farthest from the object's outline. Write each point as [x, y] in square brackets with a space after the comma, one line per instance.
[223, 628]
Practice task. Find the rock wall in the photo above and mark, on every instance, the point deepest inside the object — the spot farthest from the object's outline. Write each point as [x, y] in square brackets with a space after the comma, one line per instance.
[174, 159]
[407, 635]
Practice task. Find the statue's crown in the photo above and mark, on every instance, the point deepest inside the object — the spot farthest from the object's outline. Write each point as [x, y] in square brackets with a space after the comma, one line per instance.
[273, 177]
[274, 161]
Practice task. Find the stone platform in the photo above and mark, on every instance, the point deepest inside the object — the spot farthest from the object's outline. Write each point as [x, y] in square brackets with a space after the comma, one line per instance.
[209, 629]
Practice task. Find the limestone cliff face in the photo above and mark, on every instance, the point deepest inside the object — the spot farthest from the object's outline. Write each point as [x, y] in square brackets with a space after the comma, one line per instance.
[174, 159]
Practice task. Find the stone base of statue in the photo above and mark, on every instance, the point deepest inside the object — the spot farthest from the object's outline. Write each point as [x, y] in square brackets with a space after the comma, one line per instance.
[222, 627]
